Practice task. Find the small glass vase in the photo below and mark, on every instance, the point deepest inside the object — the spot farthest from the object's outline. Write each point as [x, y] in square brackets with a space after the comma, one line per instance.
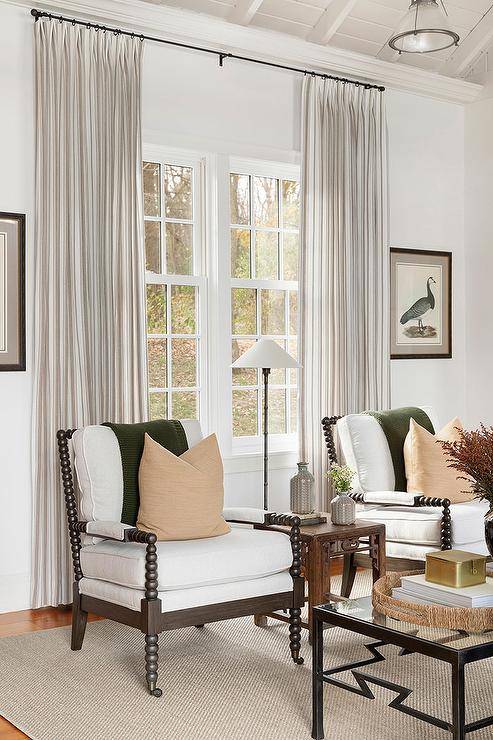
[301, 491]
[342, 509]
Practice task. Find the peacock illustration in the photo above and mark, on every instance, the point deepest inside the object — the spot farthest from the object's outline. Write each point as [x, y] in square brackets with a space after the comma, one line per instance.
[422, 306]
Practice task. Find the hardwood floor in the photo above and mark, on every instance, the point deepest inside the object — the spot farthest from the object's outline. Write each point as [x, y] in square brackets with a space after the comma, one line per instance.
[31, 620]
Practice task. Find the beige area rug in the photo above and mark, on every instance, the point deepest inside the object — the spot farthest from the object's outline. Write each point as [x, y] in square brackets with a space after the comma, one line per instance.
[228, 681]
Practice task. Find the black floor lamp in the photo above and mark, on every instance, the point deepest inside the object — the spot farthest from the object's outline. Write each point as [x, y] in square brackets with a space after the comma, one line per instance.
[266, 355]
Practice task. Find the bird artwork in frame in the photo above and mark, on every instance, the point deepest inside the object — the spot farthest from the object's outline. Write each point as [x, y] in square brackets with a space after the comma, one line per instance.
[421, 304]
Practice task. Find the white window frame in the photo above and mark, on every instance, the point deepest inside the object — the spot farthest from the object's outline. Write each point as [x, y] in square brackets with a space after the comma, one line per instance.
[212, 268]
[170, 156]
[262, 168]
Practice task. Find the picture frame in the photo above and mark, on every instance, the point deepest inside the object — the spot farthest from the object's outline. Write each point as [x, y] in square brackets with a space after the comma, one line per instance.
[12, 292]
[420, 304]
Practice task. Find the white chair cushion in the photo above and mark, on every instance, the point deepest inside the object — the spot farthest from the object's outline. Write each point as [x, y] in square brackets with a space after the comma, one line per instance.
[421, 526]
[98, 466]
[242, 554]
[190, 597]
[365, 449]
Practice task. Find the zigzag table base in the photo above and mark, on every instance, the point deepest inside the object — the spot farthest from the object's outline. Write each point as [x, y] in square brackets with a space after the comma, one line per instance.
[363, 681]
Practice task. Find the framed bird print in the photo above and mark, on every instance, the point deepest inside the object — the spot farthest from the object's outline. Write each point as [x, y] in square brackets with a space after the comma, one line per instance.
[420, 304]
[12, 292]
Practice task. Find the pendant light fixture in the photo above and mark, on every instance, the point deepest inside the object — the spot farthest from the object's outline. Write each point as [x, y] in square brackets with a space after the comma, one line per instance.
[424, 28]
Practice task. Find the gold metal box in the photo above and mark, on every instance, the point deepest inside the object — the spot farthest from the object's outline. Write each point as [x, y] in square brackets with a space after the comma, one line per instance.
[455, 568]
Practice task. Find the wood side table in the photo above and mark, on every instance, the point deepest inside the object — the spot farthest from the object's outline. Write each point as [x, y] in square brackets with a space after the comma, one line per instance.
[322, 542]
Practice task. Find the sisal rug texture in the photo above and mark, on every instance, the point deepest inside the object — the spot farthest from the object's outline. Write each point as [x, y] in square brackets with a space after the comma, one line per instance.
[228, 681]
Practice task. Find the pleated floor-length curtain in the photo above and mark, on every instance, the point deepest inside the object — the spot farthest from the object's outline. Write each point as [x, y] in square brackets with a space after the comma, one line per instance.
[89, 266]
[344, 260]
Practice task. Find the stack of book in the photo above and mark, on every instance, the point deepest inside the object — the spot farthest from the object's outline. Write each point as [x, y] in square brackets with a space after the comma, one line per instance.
[420, 591]
[309, 519]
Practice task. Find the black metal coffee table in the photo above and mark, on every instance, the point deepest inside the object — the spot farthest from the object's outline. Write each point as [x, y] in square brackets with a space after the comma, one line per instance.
[357, 615]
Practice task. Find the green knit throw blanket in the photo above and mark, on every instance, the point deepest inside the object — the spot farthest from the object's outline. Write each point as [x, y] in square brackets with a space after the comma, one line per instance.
[395, 424]
[168, 433]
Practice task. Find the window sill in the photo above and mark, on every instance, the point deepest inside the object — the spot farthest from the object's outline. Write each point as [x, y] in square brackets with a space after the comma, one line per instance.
[248, 462]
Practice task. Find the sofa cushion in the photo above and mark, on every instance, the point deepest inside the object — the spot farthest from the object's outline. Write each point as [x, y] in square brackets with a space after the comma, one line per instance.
[181, 498]
[427, 468]
[99, 473]
[242, 554]
[98, 467]
[395, 424]
[190, 597]
[168, 433]
[422, 526]
[365, 449]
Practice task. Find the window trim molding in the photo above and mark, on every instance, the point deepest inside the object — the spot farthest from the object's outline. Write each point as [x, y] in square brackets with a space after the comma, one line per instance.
[278, 443]
[170, 155]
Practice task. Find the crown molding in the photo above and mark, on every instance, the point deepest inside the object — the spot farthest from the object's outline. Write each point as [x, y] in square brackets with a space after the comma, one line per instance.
[176, 24]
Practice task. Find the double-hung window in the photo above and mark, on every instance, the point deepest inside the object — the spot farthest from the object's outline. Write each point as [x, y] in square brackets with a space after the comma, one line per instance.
[175, 286]
[264, 249]
[253, 259]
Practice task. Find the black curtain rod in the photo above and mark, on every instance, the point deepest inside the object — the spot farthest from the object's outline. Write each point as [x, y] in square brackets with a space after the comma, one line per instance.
[37, 14]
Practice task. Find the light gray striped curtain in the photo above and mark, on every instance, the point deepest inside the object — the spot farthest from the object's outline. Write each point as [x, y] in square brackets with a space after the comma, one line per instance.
[344, 271]
[89, 282]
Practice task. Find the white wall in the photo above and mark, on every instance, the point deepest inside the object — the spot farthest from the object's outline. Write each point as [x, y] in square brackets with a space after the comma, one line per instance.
[479, 263]
[16, 194]
[426, 170]
[189, 102]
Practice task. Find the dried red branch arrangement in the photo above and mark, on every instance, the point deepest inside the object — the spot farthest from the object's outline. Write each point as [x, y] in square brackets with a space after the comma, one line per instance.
[472, 455]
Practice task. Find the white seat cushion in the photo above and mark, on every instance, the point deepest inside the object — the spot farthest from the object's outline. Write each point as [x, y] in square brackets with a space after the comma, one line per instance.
[242, 554]
[421, 526]
[190, 597]
[365, 449]
[99, 472]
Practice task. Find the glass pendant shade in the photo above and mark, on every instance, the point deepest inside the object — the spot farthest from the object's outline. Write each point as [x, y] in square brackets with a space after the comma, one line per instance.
[424, 28]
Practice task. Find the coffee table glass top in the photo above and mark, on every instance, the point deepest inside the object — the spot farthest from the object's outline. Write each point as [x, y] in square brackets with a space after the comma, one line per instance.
[361, 610]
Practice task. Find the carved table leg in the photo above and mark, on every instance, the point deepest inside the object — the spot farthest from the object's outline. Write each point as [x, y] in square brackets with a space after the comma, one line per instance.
[377, 552]
[151, 653]
[316, 580]
[348, 575]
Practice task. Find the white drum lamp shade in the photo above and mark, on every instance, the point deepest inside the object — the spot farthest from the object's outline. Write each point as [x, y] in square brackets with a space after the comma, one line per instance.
[425, 28]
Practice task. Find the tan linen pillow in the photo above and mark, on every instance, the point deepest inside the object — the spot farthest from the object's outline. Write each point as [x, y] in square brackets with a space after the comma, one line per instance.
[181, 498]
[427, 471]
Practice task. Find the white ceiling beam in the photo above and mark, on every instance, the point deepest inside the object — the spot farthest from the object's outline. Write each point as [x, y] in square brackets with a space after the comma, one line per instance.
[243, 11]
[472, 46]
[330, 21]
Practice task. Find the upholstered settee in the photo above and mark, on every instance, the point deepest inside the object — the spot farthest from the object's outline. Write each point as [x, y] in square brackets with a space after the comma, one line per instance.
[415, 524]
[125, 574]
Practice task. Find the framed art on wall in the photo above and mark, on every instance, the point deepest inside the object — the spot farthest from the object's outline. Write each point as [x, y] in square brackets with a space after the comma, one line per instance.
[12, 292]
[420, 304]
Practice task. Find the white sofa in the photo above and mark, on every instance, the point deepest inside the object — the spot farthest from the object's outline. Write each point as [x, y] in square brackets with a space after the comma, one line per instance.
[411, 530]
[127, 575]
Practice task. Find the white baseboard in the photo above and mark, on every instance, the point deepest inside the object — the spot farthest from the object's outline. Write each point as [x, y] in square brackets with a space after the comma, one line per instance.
[15, 592]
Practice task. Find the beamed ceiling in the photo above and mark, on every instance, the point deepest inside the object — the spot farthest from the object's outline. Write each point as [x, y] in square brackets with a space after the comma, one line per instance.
[362, 26]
